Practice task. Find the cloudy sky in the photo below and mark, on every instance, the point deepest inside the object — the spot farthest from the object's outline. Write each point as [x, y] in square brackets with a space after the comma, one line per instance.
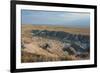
[61, 18]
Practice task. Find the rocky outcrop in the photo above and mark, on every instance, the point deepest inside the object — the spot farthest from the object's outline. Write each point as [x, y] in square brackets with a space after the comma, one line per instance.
[61, 35]
[74, 44]
[44, 46]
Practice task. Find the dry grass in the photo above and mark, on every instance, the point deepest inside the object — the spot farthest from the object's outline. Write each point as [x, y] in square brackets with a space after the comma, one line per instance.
[31, 57]
[83, 31]
[33, 53]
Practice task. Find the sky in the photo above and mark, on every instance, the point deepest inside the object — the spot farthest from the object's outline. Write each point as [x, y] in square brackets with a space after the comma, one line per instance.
[57, 18]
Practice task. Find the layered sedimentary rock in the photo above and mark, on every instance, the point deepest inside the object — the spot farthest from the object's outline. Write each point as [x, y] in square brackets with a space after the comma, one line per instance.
[74, 44]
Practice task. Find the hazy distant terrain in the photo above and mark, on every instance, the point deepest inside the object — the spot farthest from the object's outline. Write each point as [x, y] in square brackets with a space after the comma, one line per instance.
[54, 43]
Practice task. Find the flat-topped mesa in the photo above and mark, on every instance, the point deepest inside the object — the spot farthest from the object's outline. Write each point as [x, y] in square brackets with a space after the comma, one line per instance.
[63, 36]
